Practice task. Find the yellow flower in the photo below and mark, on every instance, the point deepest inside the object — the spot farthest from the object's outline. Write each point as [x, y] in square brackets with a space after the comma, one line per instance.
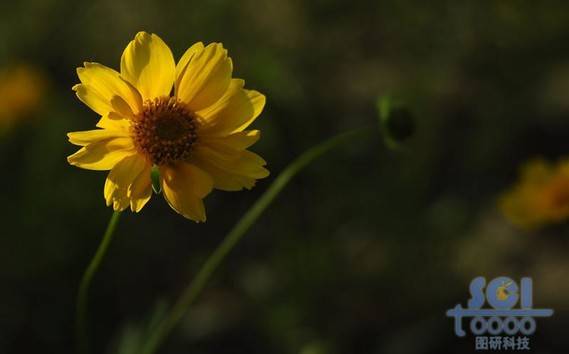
[540, 197]
[21, 91]
[188, 119]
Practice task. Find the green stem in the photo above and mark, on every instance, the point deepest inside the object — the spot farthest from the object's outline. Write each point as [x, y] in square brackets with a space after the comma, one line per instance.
[195, 287]
[83, 294]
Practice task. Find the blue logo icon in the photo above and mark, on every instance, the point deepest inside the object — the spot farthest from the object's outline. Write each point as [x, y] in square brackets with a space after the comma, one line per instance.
[501, 316]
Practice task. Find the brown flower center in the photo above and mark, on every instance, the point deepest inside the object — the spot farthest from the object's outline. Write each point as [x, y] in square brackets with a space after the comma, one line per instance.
[559, 194]
[165, 130]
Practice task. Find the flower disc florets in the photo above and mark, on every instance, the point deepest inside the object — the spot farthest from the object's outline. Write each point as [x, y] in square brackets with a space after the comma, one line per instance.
[165, 130]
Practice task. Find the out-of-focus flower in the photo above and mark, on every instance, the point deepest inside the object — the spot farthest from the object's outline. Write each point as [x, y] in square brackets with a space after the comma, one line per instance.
[21, 90]
[195, 135]
[540, 197]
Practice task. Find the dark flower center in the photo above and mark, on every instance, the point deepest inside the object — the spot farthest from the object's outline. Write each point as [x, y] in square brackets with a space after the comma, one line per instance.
[165, 130]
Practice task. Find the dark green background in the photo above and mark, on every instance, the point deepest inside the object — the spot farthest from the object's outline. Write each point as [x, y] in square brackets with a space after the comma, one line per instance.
[368, 247]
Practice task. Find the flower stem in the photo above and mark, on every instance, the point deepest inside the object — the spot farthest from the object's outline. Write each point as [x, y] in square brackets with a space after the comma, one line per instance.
[83, 294]
[195, 287]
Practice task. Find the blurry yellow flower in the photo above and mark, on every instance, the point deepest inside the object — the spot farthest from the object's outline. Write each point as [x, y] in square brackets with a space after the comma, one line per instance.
[540, 197]
[21, 90]
[188, 119]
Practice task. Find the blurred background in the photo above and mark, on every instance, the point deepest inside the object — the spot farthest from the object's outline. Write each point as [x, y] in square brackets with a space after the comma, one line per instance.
[366, 249]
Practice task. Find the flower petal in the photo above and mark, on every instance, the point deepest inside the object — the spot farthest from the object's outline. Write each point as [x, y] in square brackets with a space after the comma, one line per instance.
[243, 163]
[140, 190]
[184, 185]
[112, 123]
[225, 180]
[104, 91]
[236, 141]
[205, 77]
[92, 99]
[235, 111]
[102, 155]
[232, 162]
[148, 64]
[119, 183]
[185, 59]
[87, 137]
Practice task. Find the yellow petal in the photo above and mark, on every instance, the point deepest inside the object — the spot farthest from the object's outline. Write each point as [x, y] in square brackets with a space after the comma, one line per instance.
[119, 184]
[519, 208]
[102, 155]
[86, 137]
[205, 78]
[141, 189]
[112, 123]
[103, 90]
[235, 111]
[225, 180]
[184, 185]
[244, 163]
[185, 59]
[148, 64]
[92, 99]
[236, 141]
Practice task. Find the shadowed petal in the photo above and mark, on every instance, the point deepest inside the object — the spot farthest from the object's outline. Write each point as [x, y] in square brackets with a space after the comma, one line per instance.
[235, 111]
[104, 91]
[184, 185]
[205, 78]
[121, 181]
[102, 155]
[148, 64]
